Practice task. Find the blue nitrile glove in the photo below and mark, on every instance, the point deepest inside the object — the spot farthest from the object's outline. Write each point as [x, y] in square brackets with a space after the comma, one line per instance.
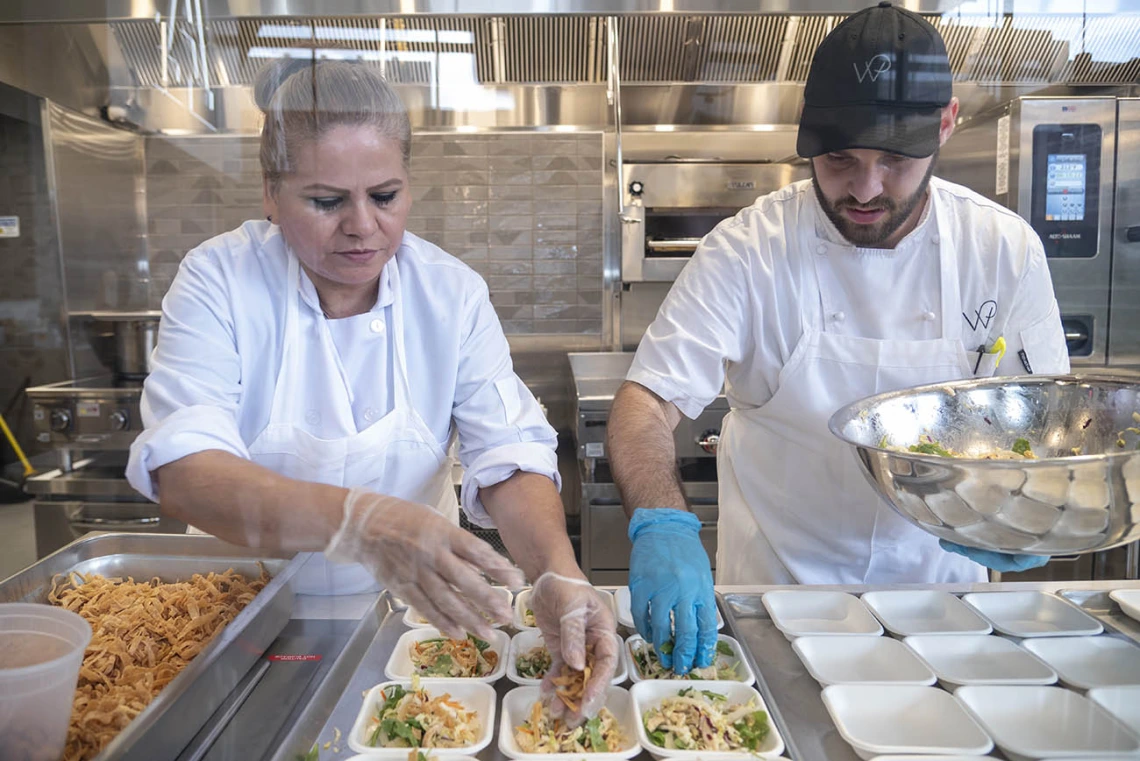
[669, 572]
[1002, 562]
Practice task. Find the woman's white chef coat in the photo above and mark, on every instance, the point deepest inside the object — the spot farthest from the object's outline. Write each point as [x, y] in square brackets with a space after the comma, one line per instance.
[220, 349]
[778, 274]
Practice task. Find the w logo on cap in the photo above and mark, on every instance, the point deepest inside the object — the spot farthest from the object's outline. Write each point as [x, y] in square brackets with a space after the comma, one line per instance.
[873, 68]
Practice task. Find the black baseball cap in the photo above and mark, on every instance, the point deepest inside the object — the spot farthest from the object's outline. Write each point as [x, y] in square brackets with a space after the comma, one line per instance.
[880, 80]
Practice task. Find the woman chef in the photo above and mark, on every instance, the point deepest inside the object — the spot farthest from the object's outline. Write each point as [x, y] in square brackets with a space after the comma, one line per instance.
[870, 277]
[311, 370]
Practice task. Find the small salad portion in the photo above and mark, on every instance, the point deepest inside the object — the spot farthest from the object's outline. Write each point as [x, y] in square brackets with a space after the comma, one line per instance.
[453, 658]
[725, 666]
[415, 719]
[534, 663]
[704, 720]
[541, 733]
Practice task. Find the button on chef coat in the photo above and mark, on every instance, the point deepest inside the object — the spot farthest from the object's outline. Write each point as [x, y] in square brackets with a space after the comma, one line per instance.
[220, 347]
[733, 318]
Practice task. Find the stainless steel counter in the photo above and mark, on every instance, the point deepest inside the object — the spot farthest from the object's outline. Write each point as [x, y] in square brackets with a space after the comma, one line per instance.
[792, 695]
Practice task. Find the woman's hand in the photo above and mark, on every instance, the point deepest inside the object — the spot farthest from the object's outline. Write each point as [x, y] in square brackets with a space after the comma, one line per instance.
[572, 615]
[421, 557]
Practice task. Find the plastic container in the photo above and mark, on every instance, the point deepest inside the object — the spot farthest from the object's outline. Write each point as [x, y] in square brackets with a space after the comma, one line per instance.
[1032, 614]
[1087, 662]
[1047, 722]
[517, 705]
[625, 612]
[647, 695]
[522, 603]
[743, 670]
[472, 695]
[924, 612]
[41, 649]
[1123, 702]
[1128, 600]
[861, 660]
[529, 638]
[969, 659]
[822, 614]
[877, 720]
[415, 619]
[400, 666]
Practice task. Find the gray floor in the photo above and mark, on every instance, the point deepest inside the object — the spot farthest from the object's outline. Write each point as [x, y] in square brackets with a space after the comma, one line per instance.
[17, 538]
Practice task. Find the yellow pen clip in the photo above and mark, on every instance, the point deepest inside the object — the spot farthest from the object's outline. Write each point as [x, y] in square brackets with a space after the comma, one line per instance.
[999, 349]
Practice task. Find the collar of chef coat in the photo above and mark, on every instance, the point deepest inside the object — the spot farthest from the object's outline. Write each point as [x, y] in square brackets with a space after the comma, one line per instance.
[825, 230]
[309, 295]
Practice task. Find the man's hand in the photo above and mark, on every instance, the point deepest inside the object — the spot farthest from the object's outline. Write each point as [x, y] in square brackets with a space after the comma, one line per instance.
[670, 578]
[1002, 562]
[573, 616]
[422, 558]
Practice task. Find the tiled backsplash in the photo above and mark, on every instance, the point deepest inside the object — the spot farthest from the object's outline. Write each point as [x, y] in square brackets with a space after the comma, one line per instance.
[522, 209]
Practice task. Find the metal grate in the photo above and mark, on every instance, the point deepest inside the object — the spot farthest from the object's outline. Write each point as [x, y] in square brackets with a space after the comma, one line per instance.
[742, 48]
[529, 49]
[651, 48]
[1026, 48]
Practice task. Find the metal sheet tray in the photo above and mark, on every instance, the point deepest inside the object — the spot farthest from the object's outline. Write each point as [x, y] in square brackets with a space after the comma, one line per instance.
[180, 710]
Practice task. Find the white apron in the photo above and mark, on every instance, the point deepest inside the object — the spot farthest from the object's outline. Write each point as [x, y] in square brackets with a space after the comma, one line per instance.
[397, 455]
[794, 506]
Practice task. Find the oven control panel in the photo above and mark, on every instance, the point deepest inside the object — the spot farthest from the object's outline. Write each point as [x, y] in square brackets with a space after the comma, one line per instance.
[87, 424]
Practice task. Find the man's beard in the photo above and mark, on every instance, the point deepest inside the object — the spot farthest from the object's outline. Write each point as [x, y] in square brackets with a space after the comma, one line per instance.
[873, 235]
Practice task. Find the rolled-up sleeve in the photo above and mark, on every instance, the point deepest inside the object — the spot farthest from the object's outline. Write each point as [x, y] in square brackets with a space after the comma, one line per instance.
[501, 427]
[191, 396]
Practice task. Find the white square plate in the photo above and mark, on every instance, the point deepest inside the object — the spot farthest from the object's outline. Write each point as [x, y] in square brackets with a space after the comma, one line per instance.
[743, 670]
[1128, 600]
[517, 705]
[971, 659]
[414, 619]
[924, 611]
[801, 614]
[522, 603]
[625, 610]
[889, 720]
[1032, 614]
[475, 696]
[649, 694]
[529, 638]
[1046, 722]
[1123, 702]
[400, 667]
[1087, 662]
[861, 660]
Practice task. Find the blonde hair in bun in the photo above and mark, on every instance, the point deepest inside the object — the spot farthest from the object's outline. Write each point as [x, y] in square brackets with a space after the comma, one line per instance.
[302, 98]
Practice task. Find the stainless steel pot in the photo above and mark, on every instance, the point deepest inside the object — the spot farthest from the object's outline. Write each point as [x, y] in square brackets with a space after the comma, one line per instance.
[135, 335]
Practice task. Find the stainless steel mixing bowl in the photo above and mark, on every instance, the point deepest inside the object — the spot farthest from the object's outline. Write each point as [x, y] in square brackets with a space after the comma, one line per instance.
[1058, 504]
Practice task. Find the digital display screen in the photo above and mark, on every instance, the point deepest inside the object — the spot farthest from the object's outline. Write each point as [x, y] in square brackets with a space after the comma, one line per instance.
[1065, 187]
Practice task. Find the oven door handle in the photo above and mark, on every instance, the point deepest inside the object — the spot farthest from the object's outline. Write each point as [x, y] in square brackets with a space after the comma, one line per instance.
[673, 245]
[104, 524]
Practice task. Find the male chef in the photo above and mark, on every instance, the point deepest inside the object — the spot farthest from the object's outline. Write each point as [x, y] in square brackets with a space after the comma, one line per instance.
[872, 276]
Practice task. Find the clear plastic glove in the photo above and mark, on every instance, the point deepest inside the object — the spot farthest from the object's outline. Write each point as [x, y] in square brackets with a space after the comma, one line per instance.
[670, 578]
[421, 557]
[571, 615]
[1001, 562]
